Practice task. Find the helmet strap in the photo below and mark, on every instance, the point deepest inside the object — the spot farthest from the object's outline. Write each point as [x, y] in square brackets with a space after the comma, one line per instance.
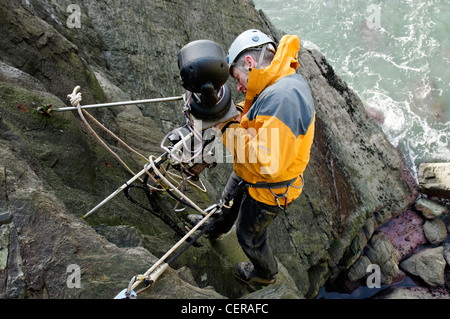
[260, 60]
[240, 67]
[261, 56]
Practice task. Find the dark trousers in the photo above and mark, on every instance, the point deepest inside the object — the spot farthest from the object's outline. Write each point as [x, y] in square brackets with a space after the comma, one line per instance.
[253, 218]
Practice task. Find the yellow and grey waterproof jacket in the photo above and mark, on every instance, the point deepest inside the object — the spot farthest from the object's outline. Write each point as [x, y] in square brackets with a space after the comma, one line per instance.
[272, 142]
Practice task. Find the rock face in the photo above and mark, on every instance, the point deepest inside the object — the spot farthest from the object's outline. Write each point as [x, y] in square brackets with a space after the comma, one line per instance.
[410, 250]
[413, 293]
[428, 264]
[435, 231]
[434, 179]
[405, 232]
[381, 252]
[42, 240]
[430, 209]
[52, 171]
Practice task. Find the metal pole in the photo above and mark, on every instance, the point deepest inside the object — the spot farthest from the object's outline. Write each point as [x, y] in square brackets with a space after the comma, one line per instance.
[166, 99]
[121, 188]
[213, 209]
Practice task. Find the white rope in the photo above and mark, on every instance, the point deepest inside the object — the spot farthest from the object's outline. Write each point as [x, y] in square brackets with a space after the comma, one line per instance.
[167, 182]
[75, 99]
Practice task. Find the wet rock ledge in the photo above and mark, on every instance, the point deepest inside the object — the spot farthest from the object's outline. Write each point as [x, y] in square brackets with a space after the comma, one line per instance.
[411, 250]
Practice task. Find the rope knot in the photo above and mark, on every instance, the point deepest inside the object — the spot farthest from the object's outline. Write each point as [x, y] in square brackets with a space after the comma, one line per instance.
[75, 97]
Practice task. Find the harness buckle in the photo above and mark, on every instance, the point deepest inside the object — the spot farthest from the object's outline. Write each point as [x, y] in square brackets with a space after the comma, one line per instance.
[278, 202]
[278, 196]
[271, 186]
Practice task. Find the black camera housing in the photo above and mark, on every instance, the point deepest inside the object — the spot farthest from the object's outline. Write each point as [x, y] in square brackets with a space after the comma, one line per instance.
[204, 71]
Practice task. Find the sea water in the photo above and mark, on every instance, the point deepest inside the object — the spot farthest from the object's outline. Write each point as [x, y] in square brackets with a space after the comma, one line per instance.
[394, 54]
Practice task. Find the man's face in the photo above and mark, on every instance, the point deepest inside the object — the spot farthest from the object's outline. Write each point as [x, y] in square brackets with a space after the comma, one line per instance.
[241, 78]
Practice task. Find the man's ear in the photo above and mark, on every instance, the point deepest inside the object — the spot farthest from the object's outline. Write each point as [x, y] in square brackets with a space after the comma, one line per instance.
[250, 61]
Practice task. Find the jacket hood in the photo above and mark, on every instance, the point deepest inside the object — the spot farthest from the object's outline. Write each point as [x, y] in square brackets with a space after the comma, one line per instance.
[283, 64]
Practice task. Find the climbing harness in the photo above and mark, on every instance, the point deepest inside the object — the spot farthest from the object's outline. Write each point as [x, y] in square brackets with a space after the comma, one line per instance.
[272, 186]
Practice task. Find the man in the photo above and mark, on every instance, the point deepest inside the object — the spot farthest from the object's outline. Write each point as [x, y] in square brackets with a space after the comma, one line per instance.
[271, 145]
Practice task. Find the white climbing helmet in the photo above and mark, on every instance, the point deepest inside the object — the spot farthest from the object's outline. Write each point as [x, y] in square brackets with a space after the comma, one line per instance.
[248, 39]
